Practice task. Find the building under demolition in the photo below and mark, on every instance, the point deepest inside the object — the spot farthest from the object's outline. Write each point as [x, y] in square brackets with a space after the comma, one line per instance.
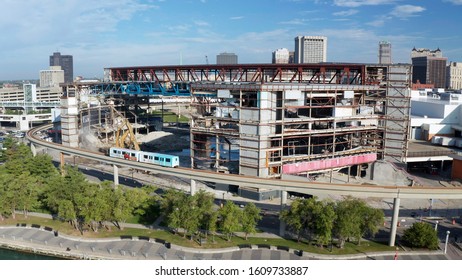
[328, 117]
[281, 121]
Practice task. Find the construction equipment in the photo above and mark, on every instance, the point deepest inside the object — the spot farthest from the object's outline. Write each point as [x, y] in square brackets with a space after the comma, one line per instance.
[124, 137]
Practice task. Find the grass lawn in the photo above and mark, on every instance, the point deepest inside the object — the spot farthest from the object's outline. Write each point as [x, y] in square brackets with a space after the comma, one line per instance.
[170, 117]
[212, 242]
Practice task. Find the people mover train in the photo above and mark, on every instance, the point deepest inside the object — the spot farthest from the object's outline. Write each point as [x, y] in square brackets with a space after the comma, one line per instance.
[147, 157]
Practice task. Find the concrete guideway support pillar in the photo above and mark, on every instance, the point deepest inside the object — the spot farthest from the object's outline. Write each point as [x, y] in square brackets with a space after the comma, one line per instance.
[394, 221]
[282, 224]
[61, 161]
[116, 176]
[33, 149]
[192, 189]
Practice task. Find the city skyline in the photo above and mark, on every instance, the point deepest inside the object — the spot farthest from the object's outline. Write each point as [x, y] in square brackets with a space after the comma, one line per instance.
[165, 32]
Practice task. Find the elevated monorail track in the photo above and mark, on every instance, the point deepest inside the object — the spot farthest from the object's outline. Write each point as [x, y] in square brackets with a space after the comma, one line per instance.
[313, 188]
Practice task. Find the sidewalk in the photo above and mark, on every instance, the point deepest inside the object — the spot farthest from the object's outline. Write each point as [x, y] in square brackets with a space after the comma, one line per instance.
[45, 241]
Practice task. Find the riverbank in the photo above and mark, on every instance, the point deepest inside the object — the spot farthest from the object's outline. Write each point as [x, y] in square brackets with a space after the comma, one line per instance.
[42, 241]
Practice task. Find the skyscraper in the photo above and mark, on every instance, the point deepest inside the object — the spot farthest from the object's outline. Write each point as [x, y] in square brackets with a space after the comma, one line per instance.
[281, 56]
[52, 77]
[66, 63]
[227, 58]
[310, 49]
[429, 67]
[426, 52]
[454, 75]
[385, 52]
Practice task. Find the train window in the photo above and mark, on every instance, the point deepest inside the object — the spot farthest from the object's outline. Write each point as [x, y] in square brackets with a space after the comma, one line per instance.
[145, 156]
[167, 160]
[156, 158]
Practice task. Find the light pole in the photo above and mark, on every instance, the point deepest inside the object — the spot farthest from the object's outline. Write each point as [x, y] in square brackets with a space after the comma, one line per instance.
[436, 225]
[446, 243]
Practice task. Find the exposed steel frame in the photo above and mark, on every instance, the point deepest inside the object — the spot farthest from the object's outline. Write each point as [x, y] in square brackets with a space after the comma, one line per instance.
[321, 73]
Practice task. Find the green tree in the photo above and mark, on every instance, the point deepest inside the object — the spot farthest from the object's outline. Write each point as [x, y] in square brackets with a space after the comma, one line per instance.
[293, 217]
[213, 224]
[230, 219]
[64, 188]
[348, 222]
[189, 213]
[29, 192]
[300, 216]
[204, 201]
[170, 208]
[67, 212]
[125, 202]
[421, 235]
[356, 219]
[324, 222]
[250, 218]
[5, 209]
[373, 218]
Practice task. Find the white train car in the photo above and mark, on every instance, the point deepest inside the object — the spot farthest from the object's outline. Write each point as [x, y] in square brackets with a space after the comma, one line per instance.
[124, 154]
[159, 159]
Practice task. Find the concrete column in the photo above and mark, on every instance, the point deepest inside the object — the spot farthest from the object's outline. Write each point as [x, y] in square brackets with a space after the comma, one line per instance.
[394, 221]
[193, 187]
[61, 161]
[33, 149]
[282, 224]
[349, 172]
[116, 176]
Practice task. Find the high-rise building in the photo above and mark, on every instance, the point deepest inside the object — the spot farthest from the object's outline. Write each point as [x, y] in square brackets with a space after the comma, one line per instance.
[52, 77]
[66, 63]
[454, 75]
[385, 52]
[310, 49]
[281, 56]
[291, 57]
[426, 52]
[429, 67]
[227, 58]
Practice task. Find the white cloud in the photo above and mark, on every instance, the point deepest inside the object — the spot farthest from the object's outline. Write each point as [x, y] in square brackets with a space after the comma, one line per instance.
[201, 23]
[236, 18]
[455, 2]
[346, 13]
[295, 21]
[179, 28]
[54, 20]
[359, 3]
[379, 21]
[405, 11]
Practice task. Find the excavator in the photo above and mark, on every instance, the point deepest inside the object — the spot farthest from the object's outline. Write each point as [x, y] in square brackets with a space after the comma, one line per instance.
[125, 137]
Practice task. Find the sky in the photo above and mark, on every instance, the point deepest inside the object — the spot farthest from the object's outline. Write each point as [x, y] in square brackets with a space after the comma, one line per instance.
[119, 33]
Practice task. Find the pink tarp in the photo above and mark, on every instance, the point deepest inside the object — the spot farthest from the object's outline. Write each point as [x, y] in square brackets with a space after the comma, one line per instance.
[327, 163]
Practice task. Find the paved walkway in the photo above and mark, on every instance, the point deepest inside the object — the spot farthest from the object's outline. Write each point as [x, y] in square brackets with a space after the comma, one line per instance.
[45, 240]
